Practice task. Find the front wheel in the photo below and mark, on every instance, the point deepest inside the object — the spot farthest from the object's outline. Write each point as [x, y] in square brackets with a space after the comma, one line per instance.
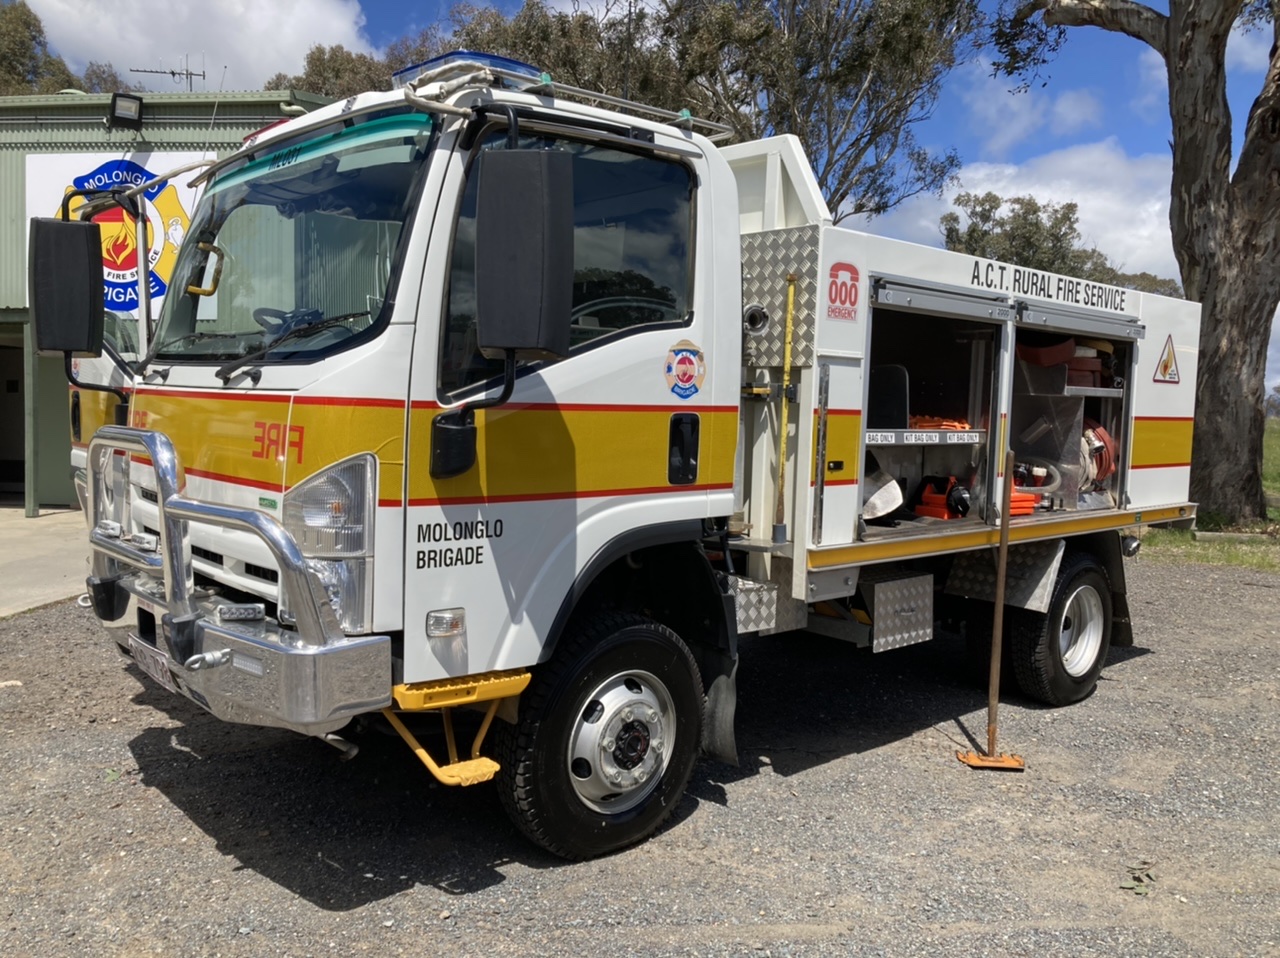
[1058, 656]
[606, 738]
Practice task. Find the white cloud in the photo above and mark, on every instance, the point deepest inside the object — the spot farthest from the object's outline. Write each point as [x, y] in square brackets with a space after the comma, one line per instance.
[1075, 110]
[252, 38]
[1150, 98]
[1010, 117]
[1123, 202]
[1249, 51]
[1273, 353]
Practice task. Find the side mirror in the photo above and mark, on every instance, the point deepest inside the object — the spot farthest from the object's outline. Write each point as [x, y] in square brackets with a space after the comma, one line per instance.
[64, 272]
[524, 253]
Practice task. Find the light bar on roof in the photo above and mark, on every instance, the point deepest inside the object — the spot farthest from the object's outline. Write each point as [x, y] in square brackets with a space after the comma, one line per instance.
[402, 78]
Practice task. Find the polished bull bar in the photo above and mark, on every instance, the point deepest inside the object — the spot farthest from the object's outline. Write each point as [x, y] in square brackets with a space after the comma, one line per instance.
[312, 678]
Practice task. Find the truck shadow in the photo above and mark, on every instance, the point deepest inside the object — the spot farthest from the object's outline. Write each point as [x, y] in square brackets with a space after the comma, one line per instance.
[805, 700]
[338, 834]
[342, 835]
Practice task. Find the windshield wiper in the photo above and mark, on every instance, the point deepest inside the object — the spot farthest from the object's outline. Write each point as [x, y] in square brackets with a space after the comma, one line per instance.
[226, 371]
[189, 338]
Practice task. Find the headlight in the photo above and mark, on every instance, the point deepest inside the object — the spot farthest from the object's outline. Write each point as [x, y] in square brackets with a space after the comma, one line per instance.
[330, 517]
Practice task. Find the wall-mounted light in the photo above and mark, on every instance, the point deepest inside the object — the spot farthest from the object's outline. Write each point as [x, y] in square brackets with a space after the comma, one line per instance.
[126, 112]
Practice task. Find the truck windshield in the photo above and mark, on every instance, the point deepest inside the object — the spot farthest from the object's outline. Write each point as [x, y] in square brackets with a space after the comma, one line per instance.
[296, 247]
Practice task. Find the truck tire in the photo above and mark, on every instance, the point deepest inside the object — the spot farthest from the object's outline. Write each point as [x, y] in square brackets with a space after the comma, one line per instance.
[606, 738]
[1058, 656]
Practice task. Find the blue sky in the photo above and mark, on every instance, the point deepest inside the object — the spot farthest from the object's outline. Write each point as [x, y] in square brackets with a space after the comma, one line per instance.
[1097, 133]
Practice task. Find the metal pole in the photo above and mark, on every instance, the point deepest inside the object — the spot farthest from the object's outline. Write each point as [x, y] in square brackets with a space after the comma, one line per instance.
[31, 501]
[991, 759]
[144, 278]
[997, 623]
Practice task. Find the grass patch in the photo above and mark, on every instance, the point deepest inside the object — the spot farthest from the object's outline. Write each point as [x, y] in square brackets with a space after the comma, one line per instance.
[1178, 545]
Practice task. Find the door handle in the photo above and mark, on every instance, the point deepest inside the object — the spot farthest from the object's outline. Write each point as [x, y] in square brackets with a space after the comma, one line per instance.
[682, 460]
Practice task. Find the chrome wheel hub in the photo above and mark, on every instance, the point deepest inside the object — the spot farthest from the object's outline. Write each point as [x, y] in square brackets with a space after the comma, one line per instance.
[620, 742]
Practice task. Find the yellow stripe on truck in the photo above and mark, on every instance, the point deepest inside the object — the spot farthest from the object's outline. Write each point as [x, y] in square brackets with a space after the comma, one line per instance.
[530, 452]
[273, 441]
[1161, 442]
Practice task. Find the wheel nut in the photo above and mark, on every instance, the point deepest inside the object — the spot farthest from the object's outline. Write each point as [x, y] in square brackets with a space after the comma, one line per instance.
[651, 716]
[628, 715]
[616, 777]
[641, 775]
[656, 745]
[608, 744]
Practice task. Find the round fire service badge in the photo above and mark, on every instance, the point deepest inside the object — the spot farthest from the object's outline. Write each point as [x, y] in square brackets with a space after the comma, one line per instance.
[167, 222]
[686, 369]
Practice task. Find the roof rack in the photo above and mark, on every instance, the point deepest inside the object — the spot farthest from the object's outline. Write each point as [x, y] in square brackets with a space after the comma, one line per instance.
[464, 68]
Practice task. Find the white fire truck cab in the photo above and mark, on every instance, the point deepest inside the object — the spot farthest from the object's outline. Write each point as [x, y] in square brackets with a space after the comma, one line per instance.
[486, 392]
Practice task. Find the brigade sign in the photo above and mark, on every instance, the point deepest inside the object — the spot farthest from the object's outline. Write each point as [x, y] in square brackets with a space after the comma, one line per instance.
[1037, 284]
[168, 203]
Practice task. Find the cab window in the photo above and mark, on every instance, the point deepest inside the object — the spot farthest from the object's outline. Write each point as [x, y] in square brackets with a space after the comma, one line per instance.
[633, 217]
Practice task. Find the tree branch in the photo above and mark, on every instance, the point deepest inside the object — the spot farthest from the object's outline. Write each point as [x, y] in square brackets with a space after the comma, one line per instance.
[1118, 16]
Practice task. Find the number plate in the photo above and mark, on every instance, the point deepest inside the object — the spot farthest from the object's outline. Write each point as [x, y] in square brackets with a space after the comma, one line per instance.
[152, 661]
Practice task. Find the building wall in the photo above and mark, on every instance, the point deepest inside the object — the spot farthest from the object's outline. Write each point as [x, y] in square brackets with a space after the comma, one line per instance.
[36, 423]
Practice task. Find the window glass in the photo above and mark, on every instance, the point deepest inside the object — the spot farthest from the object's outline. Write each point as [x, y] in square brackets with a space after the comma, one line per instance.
[632, 218]
[292, 254]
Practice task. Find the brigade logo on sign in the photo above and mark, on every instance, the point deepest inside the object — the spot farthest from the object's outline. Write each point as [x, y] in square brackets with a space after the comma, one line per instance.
[1167, 367]
[167, 223]
[686, 369]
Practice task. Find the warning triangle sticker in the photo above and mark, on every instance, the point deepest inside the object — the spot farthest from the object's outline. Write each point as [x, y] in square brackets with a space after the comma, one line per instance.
[1167, 367]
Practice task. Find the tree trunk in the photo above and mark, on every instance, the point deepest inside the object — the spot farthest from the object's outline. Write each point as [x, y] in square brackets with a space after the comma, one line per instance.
[1226, 460]
[1228, 249]
[1226, 231]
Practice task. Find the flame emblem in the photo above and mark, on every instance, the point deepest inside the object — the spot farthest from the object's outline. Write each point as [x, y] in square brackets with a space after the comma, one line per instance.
[118, 243]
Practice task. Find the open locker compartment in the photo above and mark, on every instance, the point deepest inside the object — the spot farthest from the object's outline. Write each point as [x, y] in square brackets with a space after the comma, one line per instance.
[931, 391]
[1067, 420]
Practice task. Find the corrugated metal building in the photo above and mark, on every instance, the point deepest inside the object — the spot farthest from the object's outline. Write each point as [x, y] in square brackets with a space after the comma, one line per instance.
[47, 145]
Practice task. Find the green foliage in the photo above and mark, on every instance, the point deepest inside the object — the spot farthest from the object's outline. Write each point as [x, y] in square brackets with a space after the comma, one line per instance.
[1046, 236]
[335, 71]
[27, 66]
[850, 78]
[610, 51]
[103, 78]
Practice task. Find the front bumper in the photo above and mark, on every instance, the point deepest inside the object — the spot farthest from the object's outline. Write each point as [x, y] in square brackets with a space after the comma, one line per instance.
[312, 679]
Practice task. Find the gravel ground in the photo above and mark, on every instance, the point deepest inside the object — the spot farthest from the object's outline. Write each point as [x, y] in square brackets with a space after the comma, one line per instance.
[135, 824]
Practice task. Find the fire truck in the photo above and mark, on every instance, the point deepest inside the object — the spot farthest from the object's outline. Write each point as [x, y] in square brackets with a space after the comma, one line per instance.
[485, 393]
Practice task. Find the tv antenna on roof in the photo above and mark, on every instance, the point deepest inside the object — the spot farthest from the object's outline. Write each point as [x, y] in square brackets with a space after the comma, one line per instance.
[186, 73]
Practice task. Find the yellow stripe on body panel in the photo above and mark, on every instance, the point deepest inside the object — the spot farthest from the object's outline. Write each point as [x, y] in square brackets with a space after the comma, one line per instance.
[275, 442]
[1161, 442]
[215, 437]
[1022, 530]
[543, 452]
[336, 429]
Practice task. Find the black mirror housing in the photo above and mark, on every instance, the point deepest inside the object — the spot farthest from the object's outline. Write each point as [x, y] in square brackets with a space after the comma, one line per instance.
[524, 252]
[65, 283]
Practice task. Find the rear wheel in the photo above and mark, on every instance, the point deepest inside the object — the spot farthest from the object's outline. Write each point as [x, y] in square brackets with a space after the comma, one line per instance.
[606, 739]
[1058, 656]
